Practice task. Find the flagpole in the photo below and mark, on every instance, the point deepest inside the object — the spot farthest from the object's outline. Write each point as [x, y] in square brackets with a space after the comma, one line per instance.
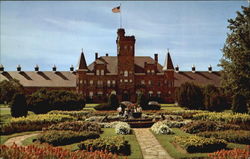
[120, 15]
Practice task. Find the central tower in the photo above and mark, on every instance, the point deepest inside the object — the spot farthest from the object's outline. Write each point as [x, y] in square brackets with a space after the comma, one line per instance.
[125, 54]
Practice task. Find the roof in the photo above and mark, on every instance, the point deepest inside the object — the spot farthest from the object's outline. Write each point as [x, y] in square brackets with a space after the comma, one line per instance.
[82, 62]
[41, 78]
[112, 63]
[168, 65]
[199, 77]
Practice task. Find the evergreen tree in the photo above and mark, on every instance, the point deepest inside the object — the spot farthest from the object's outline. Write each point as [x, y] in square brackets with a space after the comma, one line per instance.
[18, 106]
[113, 101]
[142, 100]
[239, 104]
[235, 62]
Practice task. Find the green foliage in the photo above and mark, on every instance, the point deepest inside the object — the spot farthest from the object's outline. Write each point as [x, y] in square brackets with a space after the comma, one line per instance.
[238, 136]
[235, 62]
[114, 144]
[42, 101]
[194, 144]
[113, 101]
[57, 138]
[18, 105]
[190, 96]
[239, 104]
[76, 126]
[8, 89]
[122, 128]
[79, 115]
[103, 106]
[201, 126]
[32, 122]
[208, 91]
[142, 101]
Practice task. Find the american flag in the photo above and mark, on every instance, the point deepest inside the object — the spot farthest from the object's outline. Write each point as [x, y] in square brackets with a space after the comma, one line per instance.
[116, 9]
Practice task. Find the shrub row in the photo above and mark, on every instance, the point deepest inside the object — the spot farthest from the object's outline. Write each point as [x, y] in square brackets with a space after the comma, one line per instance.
[239, 136]
[175, 124]
[76, 126]
[32, 122]
[231, 154]
[200, 126]
[193, 144]
[56, 138]
[161, 128]
[113, 144]
[79, 115]
[122, 128]
[49, 152]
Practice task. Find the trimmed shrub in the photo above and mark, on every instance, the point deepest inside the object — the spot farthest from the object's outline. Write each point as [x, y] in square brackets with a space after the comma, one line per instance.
[18, 106]
[113, 101]
[231, 154]
[239, 136]
[142, 101]
[194, 144]
[49, 152]
[209, 91]
[43, 101]
[161, 128]
[79, 115]
[200, 126]
[239, 104]
[113, 144]
[175, 124]
[57, 138]
[32, 123]
[122, 128]
[76, 126]
[103, 106]
[190, 96]
[218, 103]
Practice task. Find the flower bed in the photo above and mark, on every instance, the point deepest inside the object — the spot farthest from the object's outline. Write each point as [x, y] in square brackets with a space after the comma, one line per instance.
[76, 126]
[194, 144]
[56, 138]
[161, 128]
[79, 115]
[32, 123]
[231, 154]
[49, 152]
[200, 126]
[113, 144]
[122, 128]
[238, 136]
[175, 124]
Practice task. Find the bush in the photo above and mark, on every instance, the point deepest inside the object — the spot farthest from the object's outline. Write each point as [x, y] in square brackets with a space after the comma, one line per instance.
[113, 144]
[122, 128]
[103, 106]
[18, 106]
[142, 101]
[113, 101]
[161, 128]
[190, 96]
[49, 152]
[175, 124]
[109, 125]
[32, 123]
[200, 126]
[43, 101]
[208, 91]
[239, 136]
[194, 144]
[57, 138]
[8, 89]
[218, 103]
[79, 115]
[76, 126]
[231, 154]
[239, 104]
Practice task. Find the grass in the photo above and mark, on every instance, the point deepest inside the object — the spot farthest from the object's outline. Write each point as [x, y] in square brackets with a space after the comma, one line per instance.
[90, 106]
[175, 152]
[4, 138]
[4, 114]
[170, 107]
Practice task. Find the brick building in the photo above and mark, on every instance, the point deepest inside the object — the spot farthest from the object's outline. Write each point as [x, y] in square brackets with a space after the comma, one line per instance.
[125, 74]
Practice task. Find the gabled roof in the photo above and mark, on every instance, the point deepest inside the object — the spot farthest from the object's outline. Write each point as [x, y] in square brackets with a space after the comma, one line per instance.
[168, 65]
[82, 63]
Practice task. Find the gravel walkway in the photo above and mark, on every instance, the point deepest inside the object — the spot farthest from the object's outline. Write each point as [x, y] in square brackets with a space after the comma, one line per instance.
[18, 140]
[150, 147]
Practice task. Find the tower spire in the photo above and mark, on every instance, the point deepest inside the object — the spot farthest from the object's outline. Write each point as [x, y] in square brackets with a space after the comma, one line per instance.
[168, 65]
[82, 62]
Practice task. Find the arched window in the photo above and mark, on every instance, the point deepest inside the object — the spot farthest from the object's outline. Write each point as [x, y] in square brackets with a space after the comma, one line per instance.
[126, 73]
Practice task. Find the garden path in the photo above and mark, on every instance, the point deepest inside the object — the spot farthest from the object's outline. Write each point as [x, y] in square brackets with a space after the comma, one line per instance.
[150, 147]
[18, 140]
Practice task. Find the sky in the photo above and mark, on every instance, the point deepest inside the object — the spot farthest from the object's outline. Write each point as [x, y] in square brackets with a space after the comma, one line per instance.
[48, 33]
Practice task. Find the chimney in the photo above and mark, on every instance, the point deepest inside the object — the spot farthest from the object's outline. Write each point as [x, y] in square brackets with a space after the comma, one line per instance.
[36, 68]
[107, 54]
[71, 68]
[1, 67]
[210, 69]
[193, 69]
[156, 58]
[96, 55]
[54, 68]
[177, 69]
[18, 68]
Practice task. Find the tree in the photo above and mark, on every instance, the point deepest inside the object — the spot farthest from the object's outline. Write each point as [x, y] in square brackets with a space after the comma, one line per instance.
[113, 101]
[142, 100]
[18, 106]
[239, 104]
[190, 96]
[235, 62]
[8, 89]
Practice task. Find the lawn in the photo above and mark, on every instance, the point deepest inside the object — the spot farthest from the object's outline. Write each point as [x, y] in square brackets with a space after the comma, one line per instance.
[177, 152]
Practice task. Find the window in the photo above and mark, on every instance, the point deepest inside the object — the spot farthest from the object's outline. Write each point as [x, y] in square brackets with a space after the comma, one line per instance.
[148, 71]
[159, 93]
[85, 82]
[80, 81]
[99, 83]
[150, 93]
[113, 82]
[130, 80]
[125, 80]
[102, 72]
[149, 82]
[108, 83]
[142, 82]
[97, 72]
[91, 82]
[121, 80]
[153, 71]
[126, 73]
[91, 94]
